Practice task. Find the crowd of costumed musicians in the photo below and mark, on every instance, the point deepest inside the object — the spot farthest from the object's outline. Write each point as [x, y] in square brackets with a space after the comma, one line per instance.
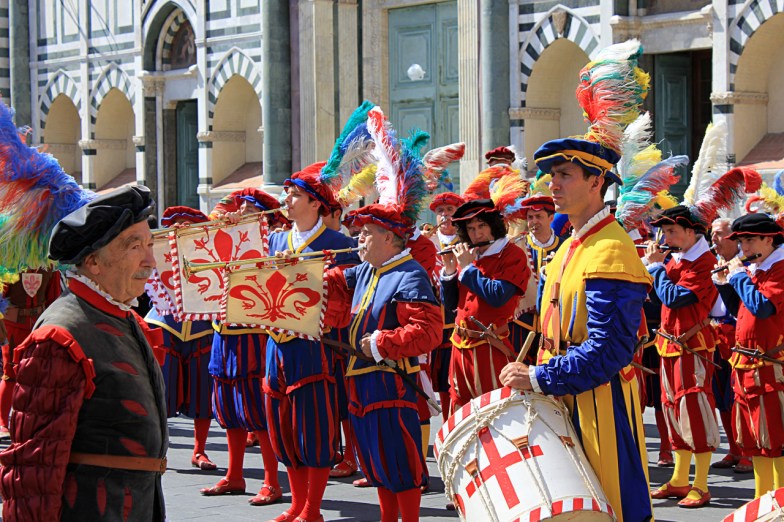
[536, 317]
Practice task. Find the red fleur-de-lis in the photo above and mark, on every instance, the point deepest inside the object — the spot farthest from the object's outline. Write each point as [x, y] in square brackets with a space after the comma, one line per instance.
[275, 297]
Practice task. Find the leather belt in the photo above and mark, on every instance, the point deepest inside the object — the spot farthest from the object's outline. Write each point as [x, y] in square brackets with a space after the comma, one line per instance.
[120, 462]
[14, 312]
[495, 342]
[691, 332]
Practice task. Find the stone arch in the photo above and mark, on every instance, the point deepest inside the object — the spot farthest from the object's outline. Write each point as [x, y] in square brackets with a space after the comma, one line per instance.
[59, 83]
[112, 77]
[753, 14]
[173, 23]
[233, 62]
[559, 22]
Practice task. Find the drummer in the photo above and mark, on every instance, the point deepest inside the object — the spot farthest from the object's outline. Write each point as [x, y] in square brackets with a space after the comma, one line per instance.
[595, 316]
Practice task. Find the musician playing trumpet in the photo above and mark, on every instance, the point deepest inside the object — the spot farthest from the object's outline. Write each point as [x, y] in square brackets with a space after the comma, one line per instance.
[756, 297]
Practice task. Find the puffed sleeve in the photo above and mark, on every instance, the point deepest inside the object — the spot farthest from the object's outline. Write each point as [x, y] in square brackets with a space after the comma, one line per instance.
[753, 299]
[47, 397]
[671, 295]
[420, 331]
[340, 294]
[613, 320]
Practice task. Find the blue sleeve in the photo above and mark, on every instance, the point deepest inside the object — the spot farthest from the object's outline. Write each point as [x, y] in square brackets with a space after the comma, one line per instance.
[449, 293]
[671, 295]
[614, 314]
[495, 292]
[730, 297]
[759, 305]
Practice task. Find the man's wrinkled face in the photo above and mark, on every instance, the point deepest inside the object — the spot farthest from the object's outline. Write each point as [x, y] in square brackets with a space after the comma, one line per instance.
[374, 243]
[123, 266]
[444, 215]
[726, 248]
[539, 222]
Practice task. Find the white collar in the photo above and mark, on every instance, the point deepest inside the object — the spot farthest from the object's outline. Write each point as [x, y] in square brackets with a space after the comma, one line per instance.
[603, 213]
[495, 248]
[444, 239]
[696, 250]
[100, 291]
[298, 238]
[775, 256]
[394, 258]
[416, 234]
[547, 243]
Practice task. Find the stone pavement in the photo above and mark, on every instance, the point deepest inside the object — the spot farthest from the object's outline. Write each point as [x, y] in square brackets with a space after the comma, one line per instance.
[343, 502]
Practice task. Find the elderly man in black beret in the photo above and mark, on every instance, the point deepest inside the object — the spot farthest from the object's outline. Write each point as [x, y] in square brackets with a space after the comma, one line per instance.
[89, 423]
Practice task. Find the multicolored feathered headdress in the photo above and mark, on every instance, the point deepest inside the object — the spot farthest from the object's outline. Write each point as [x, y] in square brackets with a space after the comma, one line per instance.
[496, 189]
[35, 193]
[770, 199]
[709, 193]
[611, 91]
[400, 181]
[436, 162]
[352, 152]
[646, 177]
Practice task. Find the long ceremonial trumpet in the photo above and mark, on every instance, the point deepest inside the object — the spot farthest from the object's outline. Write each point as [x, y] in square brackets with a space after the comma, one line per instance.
[218, 223]
[188, 268]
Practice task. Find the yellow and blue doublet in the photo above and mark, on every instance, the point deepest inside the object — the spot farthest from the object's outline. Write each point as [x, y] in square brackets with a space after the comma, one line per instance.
[599, 284]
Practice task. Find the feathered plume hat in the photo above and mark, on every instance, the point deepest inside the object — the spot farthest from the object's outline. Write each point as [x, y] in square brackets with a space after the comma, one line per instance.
[400, 180]
[709, 192]
[35, 193]
[770, 199]
[611, 91]
[352, 152]
[646, 177]
[495, 189]
[436, 174]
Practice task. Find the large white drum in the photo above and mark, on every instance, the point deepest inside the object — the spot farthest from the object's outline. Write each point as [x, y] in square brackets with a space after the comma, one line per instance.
[767, 508]
[514, 456]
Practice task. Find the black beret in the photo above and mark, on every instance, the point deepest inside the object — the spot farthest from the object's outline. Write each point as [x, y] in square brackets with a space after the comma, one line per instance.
[680, 215]
[472, 208]
[95, 225]
[757, 225]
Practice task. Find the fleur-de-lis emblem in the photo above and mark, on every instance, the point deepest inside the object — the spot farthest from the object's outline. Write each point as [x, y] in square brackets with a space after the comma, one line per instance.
[225, 249]
[276, 297]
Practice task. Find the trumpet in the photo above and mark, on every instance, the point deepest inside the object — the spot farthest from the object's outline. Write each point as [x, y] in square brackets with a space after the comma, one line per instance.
[220, 222]
[189, 268]
[721, 268]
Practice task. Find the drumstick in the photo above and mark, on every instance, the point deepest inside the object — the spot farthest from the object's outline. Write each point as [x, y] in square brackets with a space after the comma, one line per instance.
[526, 346]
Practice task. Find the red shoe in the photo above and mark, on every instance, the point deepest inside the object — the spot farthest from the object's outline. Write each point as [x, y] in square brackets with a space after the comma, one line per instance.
[344, 469]
[319, 519]
[5, 433]
[727, 462]
[665, 459]
[266, 495]
[252, 440]
[284, 517]
[224, 487]
[203, 462]
[362, 483]
[744, 465]
[704, 500]
[669, 491]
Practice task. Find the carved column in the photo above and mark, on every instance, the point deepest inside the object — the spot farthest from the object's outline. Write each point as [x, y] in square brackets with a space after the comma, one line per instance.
[470, 119]
[276, 91]
[494, 46]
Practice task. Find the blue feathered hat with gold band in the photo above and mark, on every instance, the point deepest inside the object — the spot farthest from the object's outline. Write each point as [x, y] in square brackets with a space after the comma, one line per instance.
[611, 91]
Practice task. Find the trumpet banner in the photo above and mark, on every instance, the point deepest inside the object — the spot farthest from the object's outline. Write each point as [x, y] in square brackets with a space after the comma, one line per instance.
[199, 295]
[160, 286]
[287, 299]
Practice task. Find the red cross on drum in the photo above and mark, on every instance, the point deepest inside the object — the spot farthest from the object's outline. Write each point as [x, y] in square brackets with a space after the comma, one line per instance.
[510, 456]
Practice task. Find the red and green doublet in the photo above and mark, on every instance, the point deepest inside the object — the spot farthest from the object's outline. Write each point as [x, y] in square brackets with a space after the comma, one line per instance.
[87, 382]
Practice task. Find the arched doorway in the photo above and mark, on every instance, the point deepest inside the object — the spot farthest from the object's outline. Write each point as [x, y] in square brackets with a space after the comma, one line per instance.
[237, 144]
[61, 135]
[115, 162]
[759, 104]
[552, 110]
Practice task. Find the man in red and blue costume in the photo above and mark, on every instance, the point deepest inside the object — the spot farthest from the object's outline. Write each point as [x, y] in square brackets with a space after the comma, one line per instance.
[187, 346]
[300, 377]
[491, 280]
[591, 295]
[542, 242]
[756, 295]
[394, 316]
[687, 294]
[89, 415]
[237, 369]
[444, 206]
